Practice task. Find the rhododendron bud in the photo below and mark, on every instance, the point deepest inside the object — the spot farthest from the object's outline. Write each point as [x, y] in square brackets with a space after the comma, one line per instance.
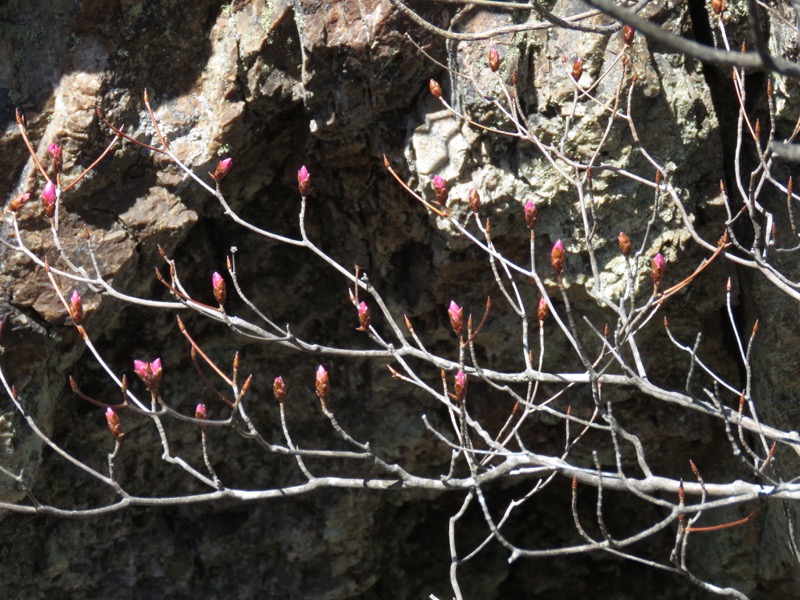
[460, 385]
[279, 389]
[18, 202]
[218, 285]
[531, 214]
[543, 309]
[474, 200]
[223, 167]
[363, 316]
[149, 373]
[494, 59]
[624, 244]
[627, 34]
[114, 424]
[435, 88]
[303, 181]
[322, 383]
[657, 268]
[49, 199]
[76, 308]
[54, 150]
[557, 256]
[456, 314]
[200, 412]
[440, 188]
[577, 69]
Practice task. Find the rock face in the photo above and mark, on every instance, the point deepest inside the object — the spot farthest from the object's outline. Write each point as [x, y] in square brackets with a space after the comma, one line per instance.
[336, 86]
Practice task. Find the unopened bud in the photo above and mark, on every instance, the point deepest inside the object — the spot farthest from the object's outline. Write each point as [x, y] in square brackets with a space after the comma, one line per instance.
[543, 309]
[494, 59]
[150, 373]
[223, 167]
[49, 199]
[657, 268]
[440, 188]
[474, 200]
[279, 389]
[577, 69]
[557, 256]
[54, 150]
[200, 412]
[624, 244]
[18, 202]
[460, 385]
[218, 286]
[628, 33]
[363, 316]
[531, 214]
[435, 88]
[718, 6]
[76, 308]
[456, 314]
[322, 383]
[304, 181]
[114, 424]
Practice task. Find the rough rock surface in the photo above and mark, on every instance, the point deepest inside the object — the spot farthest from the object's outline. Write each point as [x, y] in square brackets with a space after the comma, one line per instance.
[334, 85]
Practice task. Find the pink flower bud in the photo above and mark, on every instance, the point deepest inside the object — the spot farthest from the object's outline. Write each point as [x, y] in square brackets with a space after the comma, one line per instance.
[456, 314]
[303, 181]
[222, 169]
[460, 385]
[218, 285]
[531, 214]
[363, 316]
[557, 256]
[200, 412]
[322, 384]
[543, 309]
[76, 308]
[49, 199]
[494, 59]
[54, 150]
[114, 424]
[279, 389]
[440, 188]
[149, 373]
[657, 268]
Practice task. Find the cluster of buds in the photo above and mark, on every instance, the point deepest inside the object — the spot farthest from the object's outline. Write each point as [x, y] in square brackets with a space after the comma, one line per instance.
[49, 199]
[149, 373]
[531, 214]
[304, 181]
[624, 244]
[460, 386]
[223, 167]
[557, 256]
[435, 88]
[322, 384]
[657, 268]
[494, 59]
[114, 424]
[363, 316]
[543, 309]
[279, 389]
[218, 286]
[440, 188]
[456, 314]
[54, 150]
[76, 308]
[474, 200]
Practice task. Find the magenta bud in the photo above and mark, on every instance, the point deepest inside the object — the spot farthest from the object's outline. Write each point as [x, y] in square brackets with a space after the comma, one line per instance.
[531, 214]
[200, 412]
[114, 424]
[49, 199]
[54, 150]
[218, 286]
[279, 389]
[460, 385]
[363, 316]
[304, 181]
[557, 256]
[543, 309]
[149, 373]
[321, 383]
[657, 268]
[456, 314]
[223, 167]
[76, 308]
[440, 188]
